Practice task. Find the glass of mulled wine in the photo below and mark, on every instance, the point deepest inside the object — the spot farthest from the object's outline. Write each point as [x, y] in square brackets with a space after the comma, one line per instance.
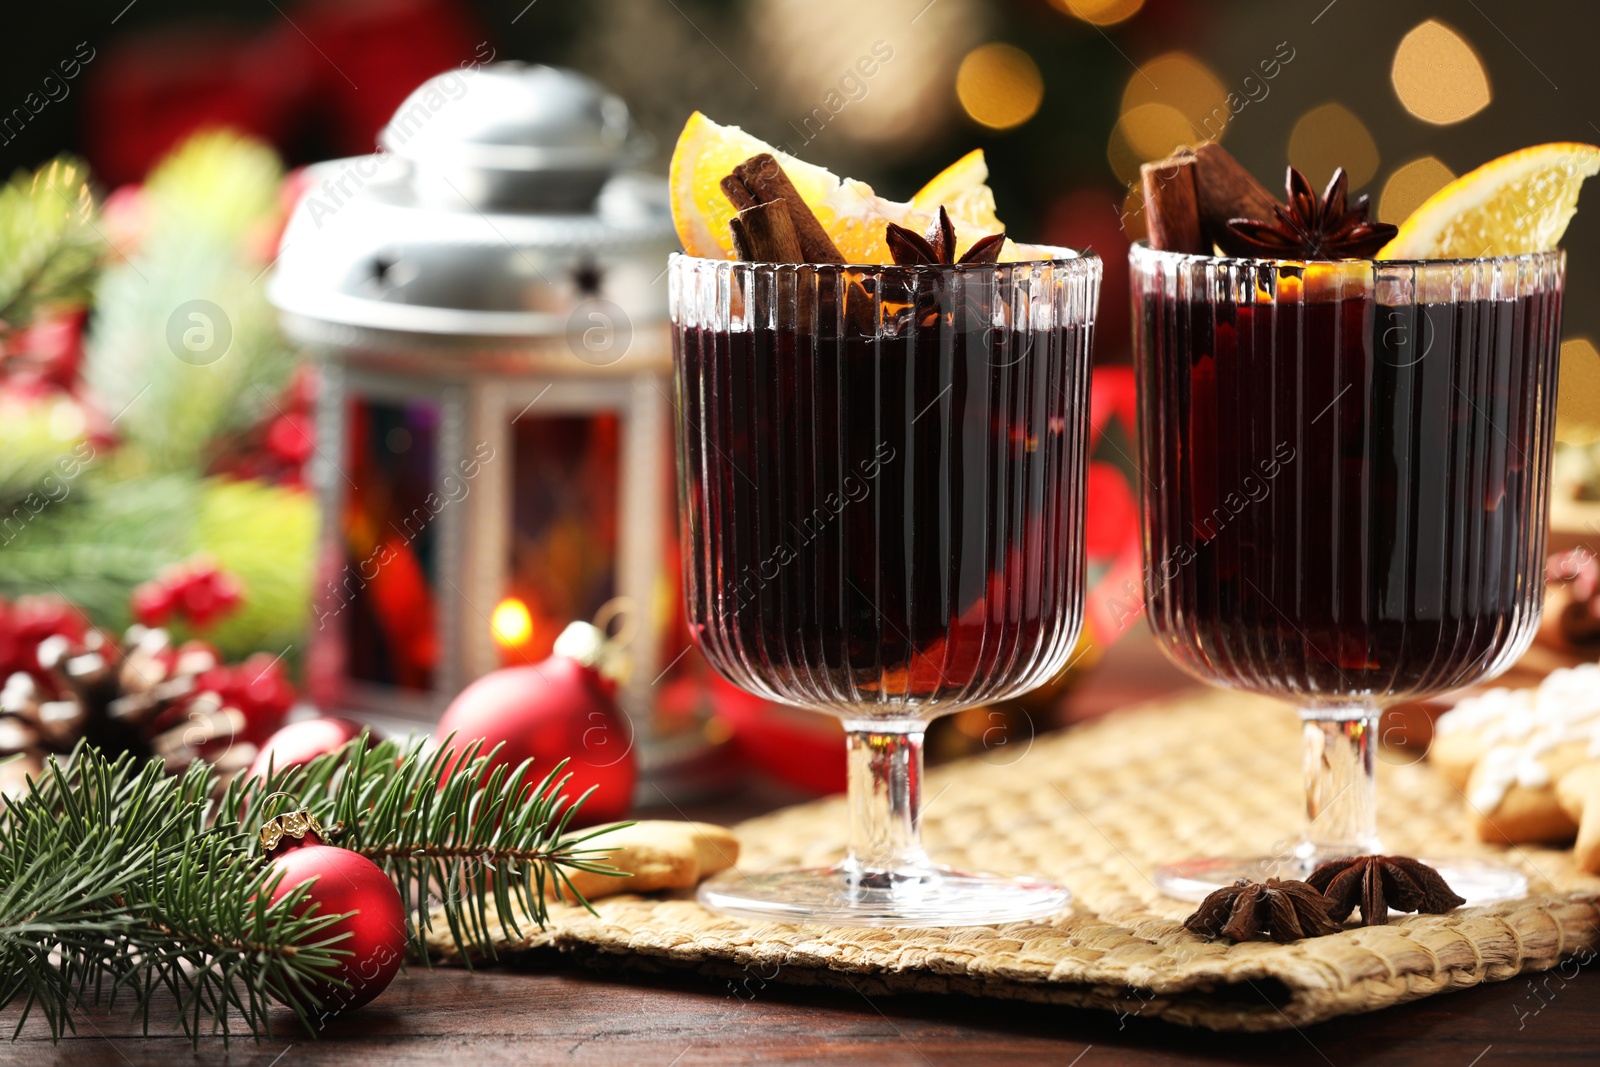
[882, 492]
[1344, 500]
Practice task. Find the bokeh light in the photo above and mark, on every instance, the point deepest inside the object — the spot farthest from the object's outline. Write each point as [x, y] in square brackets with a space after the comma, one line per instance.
[1182, 82]
[1409, 186]
[860, 76]
[1438, 76]
[1578, 404]
[999, 85]
[1149, 131]
[511, 623]
[1329, 137]
[1100, 12]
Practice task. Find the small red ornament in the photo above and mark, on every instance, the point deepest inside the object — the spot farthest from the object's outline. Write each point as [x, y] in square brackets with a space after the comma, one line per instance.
[562, 708]
[341, 881]
[301, 742]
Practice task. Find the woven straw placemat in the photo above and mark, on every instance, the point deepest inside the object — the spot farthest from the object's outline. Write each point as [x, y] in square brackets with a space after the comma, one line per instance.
[1099, 807]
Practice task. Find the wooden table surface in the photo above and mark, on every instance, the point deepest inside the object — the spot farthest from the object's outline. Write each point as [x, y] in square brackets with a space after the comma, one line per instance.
[458, 1019]
[550, 1012]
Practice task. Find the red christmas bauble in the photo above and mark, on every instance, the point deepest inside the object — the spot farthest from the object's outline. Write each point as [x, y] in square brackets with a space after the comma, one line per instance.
[301, 742]
[562, 708]
[344, 881]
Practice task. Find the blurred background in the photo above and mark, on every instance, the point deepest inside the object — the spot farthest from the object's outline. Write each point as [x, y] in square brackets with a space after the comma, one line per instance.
[1065, 96]
[154, 495]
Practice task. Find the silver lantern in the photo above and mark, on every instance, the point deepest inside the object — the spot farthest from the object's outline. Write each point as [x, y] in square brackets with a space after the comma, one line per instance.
[485, 298]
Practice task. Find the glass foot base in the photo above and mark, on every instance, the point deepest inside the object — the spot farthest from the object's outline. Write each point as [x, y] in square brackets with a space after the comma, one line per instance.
[927, 896]
[1480, 882]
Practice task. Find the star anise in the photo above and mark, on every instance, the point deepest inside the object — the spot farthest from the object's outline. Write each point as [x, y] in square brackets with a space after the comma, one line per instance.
[1377, 883]
[1281, 911]
[938, 246]
[1313, 227]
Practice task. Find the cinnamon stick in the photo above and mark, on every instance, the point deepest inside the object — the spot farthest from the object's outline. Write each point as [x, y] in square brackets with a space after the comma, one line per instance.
[1171, 206]
[761, 180]
[737, 194]
[741, 241]
[767, 233]
[1225, 191]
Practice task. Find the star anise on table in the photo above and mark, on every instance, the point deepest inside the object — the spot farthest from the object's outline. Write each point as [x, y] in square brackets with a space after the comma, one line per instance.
[1276, 910]
[1377, 883]
[1313, 227]
[938, 246]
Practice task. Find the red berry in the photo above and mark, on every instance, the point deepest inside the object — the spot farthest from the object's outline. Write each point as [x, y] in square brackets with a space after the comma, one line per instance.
[290, 438]
[152, 603]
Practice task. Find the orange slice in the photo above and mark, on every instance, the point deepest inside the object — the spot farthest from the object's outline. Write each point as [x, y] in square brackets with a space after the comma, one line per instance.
[705, 154]
[963, 189]
[849, 210]
[1513, 205]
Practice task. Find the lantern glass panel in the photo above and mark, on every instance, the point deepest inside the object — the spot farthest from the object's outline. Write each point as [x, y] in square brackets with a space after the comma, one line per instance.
[564, 522]
[392, 498]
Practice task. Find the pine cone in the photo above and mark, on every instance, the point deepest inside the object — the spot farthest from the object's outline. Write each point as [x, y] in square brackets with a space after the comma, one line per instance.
[141, 695]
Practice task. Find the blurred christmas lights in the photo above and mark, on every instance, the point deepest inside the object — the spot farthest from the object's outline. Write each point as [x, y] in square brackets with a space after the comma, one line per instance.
[1438, 76]
[1331, 136]
[999, 86]
[1410, 185]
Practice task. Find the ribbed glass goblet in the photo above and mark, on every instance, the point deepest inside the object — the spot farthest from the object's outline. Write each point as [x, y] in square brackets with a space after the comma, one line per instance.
[1345, 469]
[882, 493]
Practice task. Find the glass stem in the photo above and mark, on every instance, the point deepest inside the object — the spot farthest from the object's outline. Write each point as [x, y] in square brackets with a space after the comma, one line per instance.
[885, 781]
[1341, 782]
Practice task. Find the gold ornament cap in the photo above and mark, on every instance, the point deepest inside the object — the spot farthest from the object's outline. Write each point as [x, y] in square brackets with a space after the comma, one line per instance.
[296, 824]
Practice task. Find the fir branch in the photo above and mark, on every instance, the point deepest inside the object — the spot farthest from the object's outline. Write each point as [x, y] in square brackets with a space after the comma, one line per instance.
[110, 880]
[449, 829]
[49, 248]
[203, 204]
[118, 880]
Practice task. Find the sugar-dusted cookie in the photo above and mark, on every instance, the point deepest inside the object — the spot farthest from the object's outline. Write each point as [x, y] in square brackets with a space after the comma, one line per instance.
[1511, 797]
[659, 854]
[1465, 734]
[1579, 793]
[1517, 744]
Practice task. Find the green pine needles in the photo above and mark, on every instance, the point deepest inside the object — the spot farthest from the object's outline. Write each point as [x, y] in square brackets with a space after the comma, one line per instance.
[119, 883]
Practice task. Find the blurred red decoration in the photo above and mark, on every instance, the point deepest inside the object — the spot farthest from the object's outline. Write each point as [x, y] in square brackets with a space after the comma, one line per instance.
[259, 688]
[29, 620]
[45, 356]
[557, 709]
[799, 748]
[278, 447]
[1112, 526]
[196, 591]
[327, 72]
[1091, 219]
[372, 54]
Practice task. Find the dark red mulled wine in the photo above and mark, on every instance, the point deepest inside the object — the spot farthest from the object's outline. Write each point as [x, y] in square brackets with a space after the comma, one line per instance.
[1344, 480]
[886, 521]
